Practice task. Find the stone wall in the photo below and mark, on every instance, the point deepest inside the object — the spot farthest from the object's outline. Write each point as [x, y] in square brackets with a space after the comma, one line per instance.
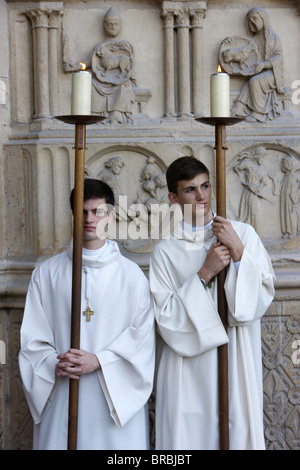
[171, 48]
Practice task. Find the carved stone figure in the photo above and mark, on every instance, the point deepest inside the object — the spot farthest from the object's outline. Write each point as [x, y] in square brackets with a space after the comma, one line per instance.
[141, 205]
[111, 62]
[267, 193]
[289, 199]
[260, 58]
[152, 182]
[110, 175]
[251, 166]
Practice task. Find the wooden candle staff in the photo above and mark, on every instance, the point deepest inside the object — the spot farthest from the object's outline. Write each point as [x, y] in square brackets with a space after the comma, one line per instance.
[80, 122]
[220, 124]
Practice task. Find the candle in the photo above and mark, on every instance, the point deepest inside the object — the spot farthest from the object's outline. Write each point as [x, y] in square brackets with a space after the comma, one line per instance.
[81, 92]
[219, 94]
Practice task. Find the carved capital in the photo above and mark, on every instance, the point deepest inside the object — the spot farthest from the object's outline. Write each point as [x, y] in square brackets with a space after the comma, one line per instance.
[197, 17]
[187, 13]
[168, 18]
[182, 18]
[44, 17]
[38, 18]
[54, 16]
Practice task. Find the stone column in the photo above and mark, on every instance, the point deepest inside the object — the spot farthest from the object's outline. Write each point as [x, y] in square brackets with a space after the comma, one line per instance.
[168, 17]
[183, 56]
[39, 23]
[44, 23]
[197, 16]
[52, 42]
[183, 62]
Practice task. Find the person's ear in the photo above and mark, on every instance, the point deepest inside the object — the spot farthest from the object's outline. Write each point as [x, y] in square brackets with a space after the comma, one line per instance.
[172, 198]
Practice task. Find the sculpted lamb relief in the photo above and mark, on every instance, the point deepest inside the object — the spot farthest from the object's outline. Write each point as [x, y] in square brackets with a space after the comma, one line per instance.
[259, 57]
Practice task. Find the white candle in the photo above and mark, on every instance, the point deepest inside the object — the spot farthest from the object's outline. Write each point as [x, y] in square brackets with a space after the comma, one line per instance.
[219, 95]
[81, 93]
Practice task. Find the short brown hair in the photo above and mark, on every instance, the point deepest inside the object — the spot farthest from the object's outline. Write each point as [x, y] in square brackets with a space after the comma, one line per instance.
[184, 168]
[95, 189]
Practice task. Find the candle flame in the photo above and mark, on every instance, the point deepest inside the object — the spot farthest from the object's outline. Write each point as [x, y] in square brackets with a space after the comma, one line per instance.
[83, 66]
[219, 69]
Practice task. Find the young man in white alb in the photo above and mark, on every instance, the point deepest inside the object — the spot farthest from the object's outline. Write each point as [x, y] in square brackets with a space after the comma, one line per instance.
[183, 282]
[115, 363]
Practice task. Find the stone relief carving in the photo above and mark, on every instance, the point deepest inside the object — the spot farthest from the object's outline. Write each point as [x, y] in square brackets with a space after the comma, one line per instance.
[110, 175]
[111, 62]
[268, 184]
[289, 199]
[152, 182]
[140, 188]
[281, 382]
[239, 55]
[260, 58]
[253, 179]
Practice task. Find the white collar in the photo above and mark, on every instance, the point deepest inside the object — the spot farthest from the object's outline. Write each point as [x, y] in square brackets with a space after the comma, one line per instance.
[197, 228]
[108, 253]
[95, 253]
[202, 236]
